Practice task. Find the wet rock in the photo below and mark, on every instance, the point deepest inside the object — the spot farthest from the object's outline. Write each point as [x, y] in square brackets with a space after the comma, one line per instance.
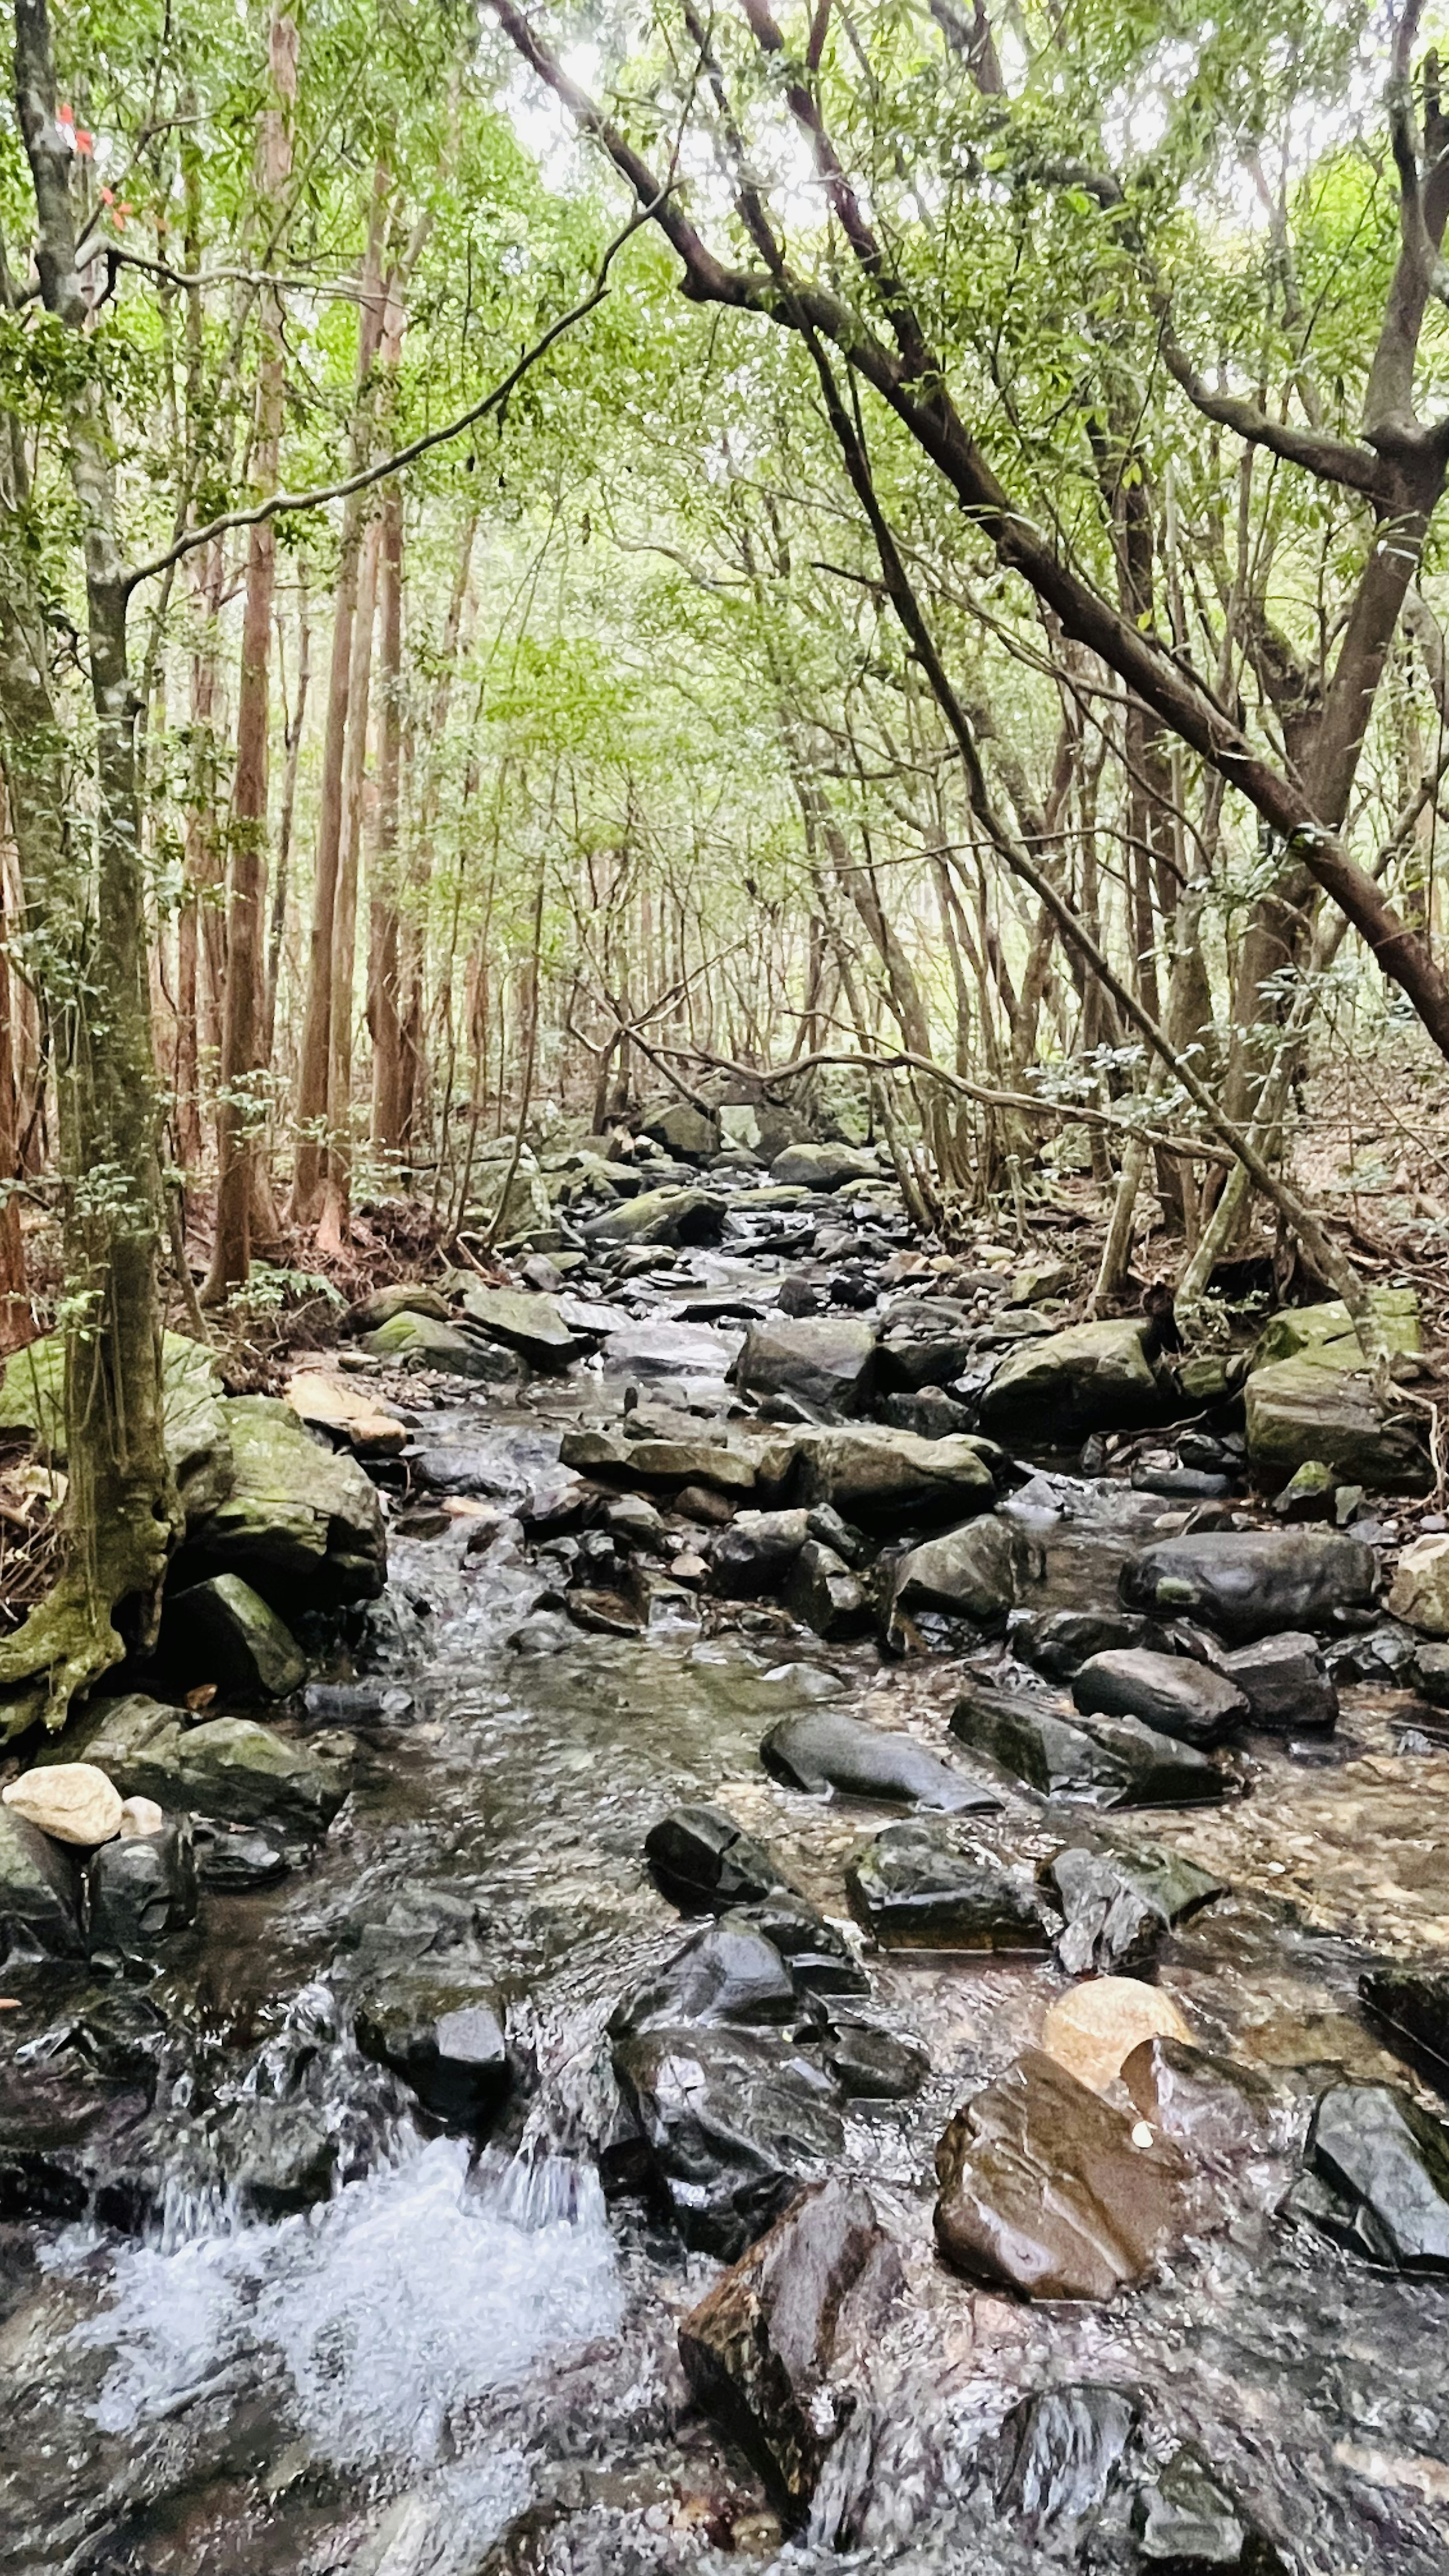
[1309, 1396]
[728, 1974]
[970, 1572]
[1058, 1642]
[357, 1703]
[1216, 2111]
[1061, 2449]
[1094, 1377]
[73, 1802]
[301, 1521]
[734, 2121]
[141, 1887]
[1043, 2188]
[823, 1750]
[1308, 1494]
[815, 1951]
[824, 1594]
[871, 2065]
[1247, 1583]
[607, 1614]
[522, 1321]
[665, 1216]
[70, 2096]
[1420, 1590]
[414, 1341]
[1120, 1902]
[821, 1167]
[1410, 2005]
[235, 1860]
[880, 1478]
[1095, 2028]
[1182, 1484]
[704, 1862]
[916, 1887]
[228, 1767]
[757, 1551]
[1431, 1674]
[1187, 2526]
[1104, 1761]
[444, 2038]
[1383, 1656]
[39, 1894]
[1287, 1685]
[662, 1464]
[225, 1631]
[926, 1343]
[278, 2157]
[776, 2350]
[1179, 1698]
[825, 1362]
[931, 1414]
[1385, 2165]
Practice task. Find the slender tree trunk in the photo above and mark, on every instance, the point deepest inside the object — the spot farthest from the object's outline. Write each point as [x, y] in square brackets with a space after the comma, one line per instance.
[335, 1225]
[384, 1014]
[277, 927]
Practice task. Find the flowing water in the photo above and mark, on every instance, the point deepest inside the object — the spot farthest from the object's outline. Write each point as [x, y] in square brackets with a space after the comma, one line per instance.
[458, 2364]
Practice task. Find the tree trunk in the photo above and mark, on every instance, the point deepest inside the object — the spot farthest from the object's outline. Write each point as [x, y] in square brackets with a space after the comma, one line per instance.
[335, 1225]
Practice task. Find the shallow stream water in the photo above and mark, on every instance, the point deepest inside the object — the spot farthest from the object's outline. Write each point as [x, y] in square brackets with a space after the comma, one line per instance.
[461, 2367]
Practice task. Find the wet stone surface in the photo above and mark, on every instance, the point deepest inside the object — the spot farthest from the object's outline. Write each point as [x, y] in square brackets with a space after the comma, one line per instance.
[340, 2230]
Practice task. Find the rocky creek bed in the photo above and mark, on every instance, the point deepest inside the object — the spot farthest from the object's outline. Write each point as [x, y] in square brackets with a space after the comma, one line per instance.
[850, 1965]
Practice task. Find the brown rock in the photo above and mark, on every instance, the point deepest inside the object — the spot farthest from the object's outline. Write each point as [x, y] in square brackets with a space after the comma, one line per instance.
[772, 2352]
[1044, 2189]
[1095, 2028]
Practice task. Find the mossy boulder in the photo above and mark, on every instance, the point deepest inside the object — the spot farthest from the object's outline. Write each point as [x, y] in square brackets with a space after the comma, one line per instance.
[1328, 1329]
[194, 1412]
[227, 1633]
[1310, 1395]
[662, 1216]
[229, 1767]
[412, 1341]
[301, 1522]
[1093, 1377]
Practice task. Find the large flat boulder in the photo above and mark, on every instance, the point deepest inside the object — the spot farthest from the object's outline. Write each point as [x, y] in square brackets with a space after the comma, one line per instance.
[880, 1477]
[1052, 1394]
[918, 1886]
[523, 1320]
[666, 1216]
[1316, 1409]
[1169, 1692]
[410, 1340]
[735, 2122]
[1381, 2165]
[1045, 2189]
[824, 1751]
[228, 1767]
[1250, 1583]
[301, 1522]
[822, 1363]
[822, 1167]
[1330, 1327]
[1100, 1761]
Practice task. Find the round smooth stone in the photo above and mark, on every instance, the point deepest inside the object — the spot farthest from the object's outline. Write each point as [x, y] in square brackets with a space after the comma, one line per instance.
[1093, 2030]
[73, 1802]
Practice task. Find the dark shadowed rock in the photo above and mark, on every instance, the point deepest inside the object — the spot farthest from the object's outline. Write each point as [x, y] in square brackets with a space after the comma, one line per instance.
[1248, 1583]
[775, 2351]
[871, 2065]
[734, 2122]
[931, 1413]
[278, 2157]
[726, 1974]
[1103, 1761]
[444, 2037]
[825, 1362]
[1059, 1642]
[970, 1572]
[1061, 2450]
[39, 1894]
[815, 1951]
[1217, 2111]
[1042, 2188]
[223, 1631]
[1410, 2005]
[140, 1887]
[1185, 1700]
[704, 1862]
[1383, 2165]
[234, 1860]
[1119, 1903]
[1287, 1684]
[917, 1888]
[1186, 2525]
[756, 1551]
[823, 1594]
[823, 1750]
[1094, 1377]
[1431, 1673]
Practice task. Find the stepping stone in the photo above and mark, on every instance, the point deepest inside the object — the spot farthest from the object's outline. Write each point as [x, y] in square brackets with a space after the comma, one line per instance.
[1094, 2029]
[1120, 1903]
[1102, 1761]
[822, 1751]
[1377, 2177]
[1185, 1700]
[1248, 1583]
[916, 1888]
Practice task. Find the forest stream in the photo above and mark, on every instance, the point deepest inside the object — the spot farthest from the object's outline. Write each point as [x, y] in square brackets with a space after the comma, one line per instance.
[460, 2357]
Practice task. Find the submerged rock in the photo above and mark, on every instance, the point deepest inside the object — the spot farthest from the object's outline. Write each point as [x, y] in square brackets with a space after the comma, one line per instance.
[734, 2122]
[1287, 1684]
[278, 2157]
[824, 1363]
[1185, 1700]
[1103, 1761]
[1044, 2189]
[776, 2350]
[1061, 2449]
[704, 1862]
[1187, 2526]
[823, 1750]
[1382, 2165]
[235, 1860]
[444, 2038]
[1120, 1902]
[916, 1888]
[1052, 1394]
[1247, 1583]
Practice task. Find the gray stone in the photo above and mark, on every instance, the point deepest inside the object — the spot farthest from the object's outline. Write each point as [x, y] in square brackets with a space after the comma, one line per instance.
[39, 1894]
[444, 2037]
[278, 2157]
[1102, 1761]
[229, 1767]
[1120, 1902]
[405, 1297]
[872, 2065]
[970, 1572]
[661, 1217]
[1186, 2525]
[756, 1551]
[824, 1750]
[1093, 1377]
[1314, 1408]
[413, 1341]
[1218, 2112]
[822, 1167]
[301, 1520]
[1061, 2449]
[523, 1321]
[882, 1478]
[1058, 1642]
[1179, 1698]
[727, 1975]
[1248, 1583]
[141, 1887]
[825, 1363]
[916, 1887]
[227, 1634]
[705, 1862]
[824, 1594]
[1386, 2165]
[1288, 1686]
[734, 2121]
